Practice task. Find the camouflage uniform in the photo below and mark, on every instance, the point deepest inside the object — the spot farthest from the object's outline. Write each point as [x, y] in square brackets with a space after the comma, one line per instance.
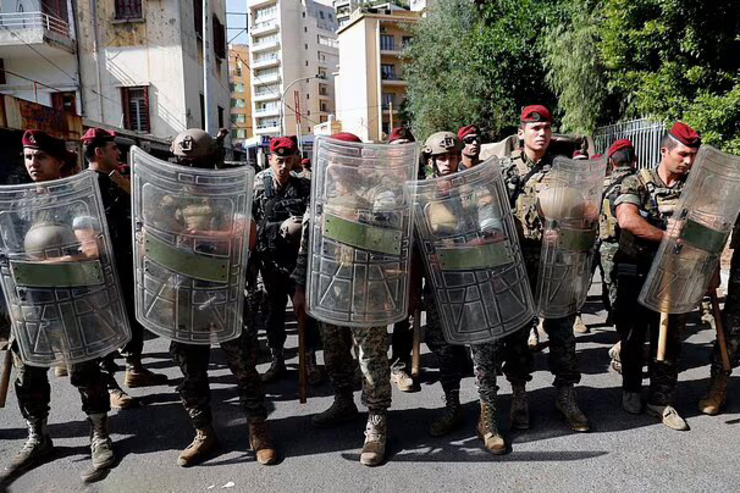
[371, 342]
[731, 311]
[656, 202]
[609, 232]
[276, 258]
[524, 179]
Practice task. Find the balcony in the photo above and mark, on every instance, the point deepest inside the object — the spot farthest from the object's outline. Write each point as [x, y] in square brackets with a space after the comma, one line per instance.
[255, 4]
[49, 35]
[267, 112]
[265, 46]
[266, 96]
[268, 130]
[392, 79]
[266, 62]
[265, 79]
[265, 27]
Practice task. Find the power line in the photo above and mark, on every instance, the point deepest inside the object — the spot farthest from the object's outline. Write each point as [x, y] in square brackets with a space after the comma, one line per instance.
[20, 76]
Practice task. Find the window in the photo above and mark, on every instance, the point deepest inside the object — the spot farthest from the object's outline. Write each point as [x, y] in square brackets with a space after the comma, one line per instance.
[219, 38]
[386, 42]
[128, 9]
[321, 14]
[306, 46]
[305, 29]
[388, 100]
[322, 73]
[406, 40]
[239, 133]
[237, 87]
[322, 57]
[64, 101]
[387, 71]
[326, 41]
[198, 11]
[324, 107]
[135, 102]
[261, 15]
[238, 103]
[239, 118]
[239, 66]
[323, 91]
[220, 117]
[323, 119]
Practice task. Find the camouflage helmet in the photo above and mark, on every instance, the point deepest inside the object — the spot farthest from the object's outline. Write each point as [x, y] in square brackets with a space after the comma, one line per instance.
[441, 143]
[193, 143]
[45, 235]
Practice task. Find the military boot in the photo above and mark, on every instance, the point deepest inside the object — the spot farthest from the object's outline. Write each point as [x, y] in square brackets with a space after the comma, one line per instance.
[402, 379]
[204, 443]
[138, 376]
[534, 338]
[566, 404]
[101, 446]
[277, 367]
[614, 353]
[38, 445]
[452, 416]
[118, 398]
[259, 441]
[488, 430]
[61, 371]
[373, 451]
[342, 409]
[579, 327]
[715, 397]
[668, 416]
[519, 407]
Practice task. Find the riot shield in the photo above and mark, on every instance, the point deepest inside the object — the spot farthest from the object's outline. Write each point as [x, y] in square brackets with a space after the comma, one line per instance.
[58, 273]
[191, 231]
[469, 243]
[705, 214]
[361, 233]
[570, 205]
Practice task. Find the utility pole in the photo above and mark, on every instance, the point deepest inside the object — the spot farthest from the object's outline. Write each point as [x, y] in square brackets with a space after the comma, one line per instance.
[206, 65]
[390, 110]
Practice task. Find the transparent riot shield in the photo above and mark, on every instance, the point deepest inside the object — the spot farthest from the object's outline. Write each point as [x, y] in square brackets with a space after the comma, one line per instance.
[361, 232]
[191, 230]
[58, 273]
[570, 205]
[689, 255]
[469, 243]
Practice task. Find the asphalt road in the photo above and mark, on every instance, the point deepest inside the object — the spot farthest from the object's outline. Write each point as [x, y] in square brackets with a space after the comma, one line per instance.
[622, 453]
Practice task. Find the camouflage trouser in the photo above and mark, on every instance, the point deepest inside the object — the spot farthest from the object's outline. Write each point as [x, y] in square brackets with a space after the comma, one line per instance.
[241, 357]
[451, 358]
[562, 359]
[730, 318]
[608, 275]
[372, 346]
[485, 367]
[633, 324]
[34, 393]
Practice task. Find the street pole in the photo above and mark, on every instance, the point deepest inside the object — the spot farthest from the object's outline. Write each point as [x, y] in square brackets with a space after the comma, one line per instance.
[391, 112]
[206, 58]
[282, 101]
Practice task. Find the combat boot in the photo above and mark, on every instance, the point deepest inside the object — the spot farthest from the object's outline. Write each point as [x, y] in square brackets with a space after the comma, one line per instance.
[277, 367]
[118, 398]
[373, 451]
[204, 443]
[519, 407]
[138, 376]
[488, 430]
[342, 409]
[403, 380]
[632, 402]
[314, 375]
[715, 397]
[452, 416]
[614, 353]
[38, 445]
[567, 405]
[61, 371]
[101, 446]
[534, 337]
[259, 441]
[579, 327]
[668, 416]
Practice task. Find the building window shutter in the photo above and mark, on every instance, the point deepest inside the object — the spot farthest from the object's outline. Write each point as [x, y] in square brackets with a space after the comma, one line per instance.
[128, 9]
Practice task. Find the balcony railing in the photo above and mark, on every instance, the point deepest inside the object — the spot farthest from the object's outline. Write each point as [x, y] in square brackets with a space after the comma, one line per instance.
[17, 21]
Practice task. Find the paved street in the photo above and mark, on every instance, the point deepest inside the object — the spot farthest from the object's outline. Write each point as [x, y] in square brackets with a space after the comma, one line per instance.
[623, 453]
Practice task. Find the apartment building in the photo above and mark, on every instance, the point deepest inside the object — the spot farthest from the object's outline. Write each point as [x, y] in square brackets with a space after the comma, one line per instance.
[293, 54]
[241, 94]
[130, 64]
[370, 85]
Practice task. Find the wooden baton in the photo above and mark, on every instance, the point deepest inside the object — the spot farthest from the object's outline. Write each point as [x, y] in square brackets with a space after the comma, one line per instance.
[5, 378]
[416, 350]
[720, 331]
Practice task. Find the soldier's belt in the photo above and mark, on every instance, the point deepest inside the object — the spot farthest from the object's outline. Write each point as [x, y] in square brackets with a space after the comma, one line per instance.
[702, 237]
[362, 236]
[57, 275]
[484, 256]
[188, 264]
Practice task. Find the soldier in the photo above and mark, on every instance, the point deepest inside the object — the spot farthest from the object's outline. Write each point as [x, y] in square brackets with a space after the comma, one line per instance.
[644, 208]
[305, 169]
[526, 172]
[402, 340]
[195, 148]
[578, 326]
[46, 158]
[104, 157]
[443, 149]
[470, 137]
[280, 200]
[622, 163]
[372, 344]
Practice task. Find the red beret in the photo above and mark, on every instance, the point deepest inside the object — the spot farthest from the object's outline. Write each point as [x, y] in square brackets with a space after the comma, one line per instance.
[596, 157]
[619, 145]
[685, 135]
[283, 146]
[346, 136]
[99, 135]
[38, 139]
[306, 162]
[536, 113]
[401, 133]
[467, 130]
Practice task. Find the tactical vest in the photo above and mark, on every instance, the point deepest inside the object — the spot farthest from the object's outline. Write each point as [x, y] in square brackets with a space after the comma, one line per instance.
[608, 225]
[524, 183]
[292, 200]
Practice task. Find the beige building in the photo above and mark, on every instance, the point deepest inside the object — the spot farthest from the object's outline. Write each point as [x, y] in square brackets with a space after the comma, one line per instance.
[241, 94]
[291, 43]
[370, 85]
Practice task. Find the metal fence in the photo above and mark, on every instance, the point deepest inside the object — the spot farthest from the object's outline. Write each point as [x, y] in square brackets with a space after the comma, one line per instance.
[644, 134]
[16, 21]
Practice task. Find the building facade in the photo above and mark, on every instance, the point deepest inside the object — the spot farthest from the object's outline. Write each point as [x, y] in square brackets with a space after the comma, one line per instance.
[241, 94]
[370, 84]
[293, 57]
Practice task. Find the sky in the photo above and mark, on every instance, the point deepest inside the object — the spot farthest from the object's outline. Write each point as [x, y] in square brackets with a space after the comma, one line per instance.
[235, 22]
